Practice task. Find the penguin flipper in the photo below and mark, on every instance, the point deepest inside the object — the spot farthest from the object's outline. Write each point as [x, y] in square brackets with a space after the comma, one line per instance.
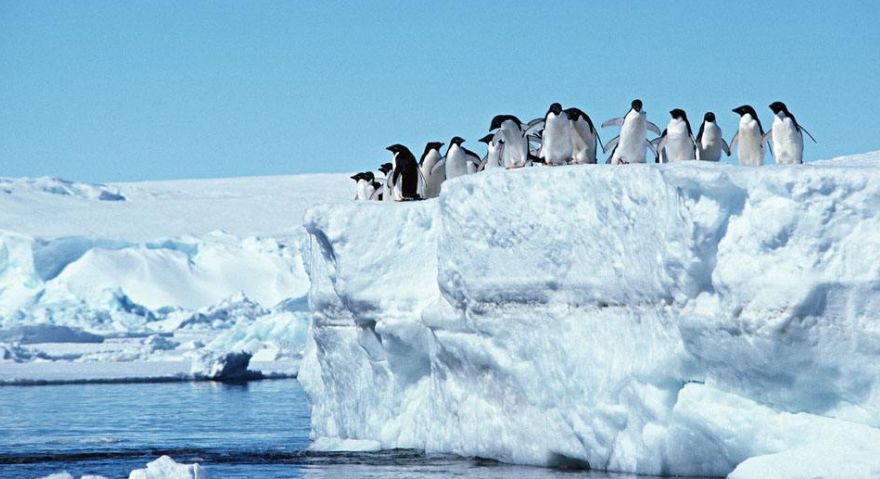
[612, 122]
[725, 147]
[652, 148]
[438, 165]
[808, 133]
[498, 136]
[652, 127]
[768, 137]
[611, 144]
[483, 163]
[534, 126]
[377, 194]
[733, 142]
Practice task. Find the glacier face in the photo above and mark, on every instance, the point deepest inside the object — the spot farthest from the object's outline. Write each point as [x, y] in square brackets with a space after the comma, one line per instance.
[674, 319]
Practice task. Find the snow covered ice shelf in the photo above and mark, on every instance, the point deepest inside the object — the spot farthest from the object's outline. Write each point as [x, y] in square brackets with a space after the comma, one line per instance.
[215, 263]
[674, 319]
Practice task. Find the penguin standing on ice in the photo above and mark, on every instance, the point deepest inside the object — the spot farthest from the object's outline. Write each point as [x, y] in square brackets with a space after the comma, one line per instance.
[710, 143]
[556, 137]
[389, 192]
[749, 137]
[583, 137]
[493, 153]
[366, 186]
[459, 160]
[629, 146]
[434, 177]
[404, 173]
[678, 142]
[516, 144]
[787, 136]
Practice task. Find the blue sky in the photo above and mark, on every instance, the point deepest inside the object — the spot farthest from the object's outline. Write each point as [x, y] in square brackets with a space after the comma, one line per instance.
[110, 91]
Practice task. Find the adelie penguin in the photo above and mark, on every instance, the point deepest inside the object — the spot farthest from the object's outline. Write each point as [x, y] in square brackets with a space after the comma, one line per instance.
[367, 187]
[787, 136]
[677, 142]
[583, 137]
[404, 173]
[434, 177]
[629, 146]
[749, 137]
[459, 160]
[493, 153]
[710, 143]
[556, 137]
[510, 129]
[389, 192]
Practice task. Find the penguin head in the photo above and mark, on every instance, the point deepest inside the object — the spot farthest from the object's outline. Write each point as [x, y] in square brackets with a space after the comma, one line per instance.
[779, 108]
[486, 139]
[574, 113]
[678, 114]
[499, 119]
[357, 177]
[709, 116]
[395, 148]
[385, 168]
[637, 105]
[369, 176]
[456, 140]
[746, 110]
[433, 145]
[555, 108]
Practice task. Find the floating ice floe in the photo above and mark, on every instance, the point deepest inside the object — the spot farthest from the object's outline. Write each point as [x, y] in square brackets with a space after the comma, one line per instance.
[167, 468]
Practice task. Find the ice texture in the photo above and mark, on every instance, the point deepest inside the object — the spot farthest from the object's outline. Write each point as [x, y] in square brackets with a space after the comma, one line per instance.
[673, 319]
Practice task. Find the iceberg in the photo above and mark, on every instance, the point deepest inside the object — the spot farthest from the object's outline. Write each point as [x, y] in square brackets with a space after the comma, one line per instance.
[683, 319]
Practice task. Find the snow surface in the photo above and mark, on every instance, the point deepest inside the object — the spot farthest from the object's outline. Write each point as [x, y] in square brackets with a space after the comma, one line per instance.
[675, 319]
[177, 266]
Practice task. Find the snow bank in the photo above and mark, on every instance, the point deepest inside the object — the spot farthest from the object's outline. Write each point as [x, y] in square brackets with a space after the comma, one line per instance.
[166, 468]
[675, 319]
[122, 286]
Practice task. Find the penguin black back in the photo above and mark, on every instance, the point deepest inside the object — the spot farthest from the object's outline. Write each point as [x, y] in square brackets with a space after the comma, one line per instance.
[406, 172]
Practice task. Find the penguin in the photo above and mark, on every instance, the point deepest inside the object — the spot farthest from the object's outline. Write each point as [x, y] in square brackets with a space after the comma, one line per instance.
[493, 154]
[787, 136]
[459, 160]
[389, 192]
[404, 173]
[678, 142]
[583, 137]
[710, 143]
[433, 177]
[659, 155]
[366, 185]
[556, 137]
[749, 137]
[629, 146]
[516, 144]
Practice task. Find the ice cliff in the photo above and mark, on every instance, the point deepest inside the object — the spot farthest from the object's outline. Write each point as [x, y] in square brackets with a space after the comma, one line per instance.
[677, 319]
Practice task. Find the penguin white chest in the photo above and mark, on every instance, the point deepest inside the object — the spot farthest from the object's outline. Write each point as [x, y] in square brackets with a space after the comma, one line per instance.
[583, 142]
[632, 143]
[516, 146]
[750, 142]
[679, 146]
[788, 143]
[456, 162]
[556, 140]
[709, 147]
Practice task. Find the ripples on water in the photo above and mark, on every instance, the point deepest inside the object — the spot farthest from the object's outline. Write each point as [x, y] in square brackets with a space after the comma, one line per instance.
[253, 430]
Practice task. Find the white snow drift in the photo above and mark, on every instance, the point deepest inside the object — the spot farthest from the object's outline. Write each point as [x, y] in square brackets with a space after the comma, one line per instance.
[675, 319]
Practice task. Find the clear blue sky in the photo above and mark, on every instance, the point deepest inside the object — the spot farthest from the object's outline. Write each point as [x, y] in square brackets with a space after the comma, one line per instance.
[117, 90]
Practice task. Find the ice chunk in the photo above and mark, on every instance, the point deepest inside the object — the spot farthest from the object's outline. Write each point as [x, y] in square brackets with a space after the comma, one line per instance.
[222, 366]
[166, 468]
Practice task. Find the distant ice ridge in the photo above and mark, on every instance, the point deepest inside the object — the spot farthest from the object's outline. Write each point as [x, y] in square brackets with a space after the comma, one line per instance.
[679, 319]
[75, 280]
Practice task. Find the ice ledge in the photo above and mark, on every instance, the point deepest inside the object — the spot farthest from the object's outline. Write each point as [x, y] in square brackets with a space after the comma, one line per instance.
[676, 319]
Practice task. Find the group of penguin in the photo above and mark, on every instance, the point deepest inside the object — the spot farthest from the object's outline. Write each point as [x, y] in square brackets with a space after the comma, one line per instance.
[569, 137]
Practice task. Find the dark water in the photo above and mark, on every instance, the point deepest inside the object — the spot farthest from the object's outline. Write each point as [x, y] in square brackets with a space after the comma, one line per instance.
[253, 430]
